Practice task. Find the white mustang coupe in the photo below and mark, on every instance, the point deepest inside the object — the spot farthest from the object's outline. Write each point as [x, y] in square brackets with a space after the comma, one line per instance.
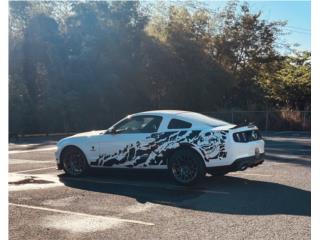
[187, 144]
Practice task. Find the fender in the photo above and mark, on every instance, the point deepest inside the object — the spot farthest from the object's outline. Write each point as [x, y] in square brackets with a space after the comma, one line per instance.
[63, 144]
[197, 149]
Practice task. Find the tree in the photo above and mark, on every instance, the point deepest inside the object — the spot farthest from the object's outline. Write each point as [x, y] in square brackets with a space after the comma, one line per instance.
[244, 44]
[290, 85]
[82, 65]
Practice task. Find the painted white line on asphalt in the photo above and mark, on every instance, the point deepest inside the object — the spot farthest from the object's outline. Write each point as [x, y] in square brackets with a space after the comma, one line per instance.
[288, 156]
[288, 139]
[283, 149]
[147, 185]
[82, 214]
[22, 161]
[27, 144]
[37, 169]
[266, 164]
[33, 150]
[251, 174]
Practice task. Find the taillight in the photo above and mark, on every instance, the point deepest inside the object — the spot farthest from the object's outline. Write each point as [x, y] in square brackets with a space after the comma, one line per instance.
[247, 136]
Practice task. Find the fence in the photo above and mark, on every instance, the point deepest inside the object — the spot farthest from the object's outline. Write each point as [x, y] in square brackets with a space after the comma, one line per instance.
[265, 120]
[268, 120]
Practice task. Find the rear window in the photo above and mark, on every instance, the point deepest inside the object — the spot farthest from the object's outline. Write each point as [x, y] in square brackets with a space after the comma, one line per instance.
[176, 123]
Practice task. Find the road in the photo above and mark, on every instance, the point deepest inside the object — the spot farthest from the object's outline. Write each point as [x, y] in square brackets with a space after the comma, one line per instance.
[271, 201]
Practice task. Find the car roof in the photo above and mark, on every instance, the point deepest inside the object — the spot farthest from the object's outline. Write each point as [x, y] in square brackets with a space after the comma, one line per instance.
[193, 117]
[160, 112]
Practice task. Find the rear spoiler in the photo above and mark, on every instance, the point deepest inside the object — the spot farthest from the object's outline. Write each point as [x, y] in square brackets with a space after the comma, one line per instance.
[249, 125]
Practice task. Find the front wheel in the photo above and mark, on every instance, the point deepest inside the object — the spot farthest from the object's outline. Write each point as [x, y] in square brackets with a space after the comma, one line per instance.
[74, 162]
[186, 167]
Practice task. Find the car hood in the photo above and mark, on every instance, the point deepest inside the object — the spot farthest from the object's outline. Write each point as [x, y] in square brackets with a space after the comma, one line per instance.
[79, 137]
[88, 134]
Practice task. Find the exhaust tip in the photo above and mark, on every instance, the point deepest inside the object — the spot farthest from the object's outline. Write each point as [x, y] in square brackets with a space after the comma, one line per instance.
[243, 167]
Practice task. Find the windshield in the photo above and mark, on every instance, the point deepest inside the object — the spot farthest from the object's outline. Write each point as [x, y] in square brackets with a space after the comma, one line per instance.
[137, 124]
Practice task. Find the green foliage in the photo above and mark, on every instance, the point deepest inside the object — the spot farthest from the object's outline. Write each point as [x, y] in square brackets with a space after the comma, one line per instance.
[82, 65]
[290, 85]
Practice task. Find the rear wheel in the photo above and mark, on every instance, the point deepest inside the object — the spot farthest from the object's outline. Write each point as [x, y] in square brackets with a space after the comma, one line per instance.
[186, 167]
[74, 162]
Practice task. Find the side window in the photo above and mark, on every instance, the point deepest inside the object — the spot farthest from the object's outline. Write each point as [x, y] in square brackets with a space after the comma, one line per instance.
[176, 123]
[139, 124]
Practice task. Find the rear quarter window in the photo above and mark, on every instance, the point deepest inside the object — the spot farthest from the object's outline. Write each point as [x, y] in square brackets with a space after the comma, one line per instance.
[176, 124]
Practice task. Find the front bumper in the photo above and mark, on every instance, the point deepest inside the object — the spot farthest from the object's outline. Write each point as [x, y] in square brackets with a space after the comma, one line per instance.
[59, 166]
[57, 155]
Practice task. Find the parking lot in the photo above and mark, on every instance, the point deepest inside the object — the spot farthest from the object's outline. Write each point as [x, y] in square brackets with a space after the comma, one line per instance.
[271, 201]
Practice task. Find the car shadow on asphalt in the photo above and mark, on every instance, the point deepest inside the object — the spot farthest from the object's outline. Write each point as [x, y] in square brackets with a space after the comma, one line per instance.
[227, 194]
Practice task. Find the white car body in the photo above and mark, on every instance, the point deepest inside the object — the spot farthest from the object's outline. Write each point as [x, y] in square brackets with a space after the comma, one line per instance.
[216, 144]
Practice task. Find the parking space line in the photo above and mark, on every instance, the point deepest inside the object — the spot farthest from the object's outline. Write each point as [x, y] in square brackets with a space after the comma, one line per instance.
[81, 214]
[251, 174]
[37, 169]
[293, 149]
[21, 161]
[288, 156]
[147, 185]
[32, 150]
[271, 164]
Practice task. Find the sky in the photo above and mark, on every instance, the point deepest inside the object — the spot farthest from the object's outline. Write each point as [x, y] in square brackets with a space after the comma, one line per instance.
[296, 13]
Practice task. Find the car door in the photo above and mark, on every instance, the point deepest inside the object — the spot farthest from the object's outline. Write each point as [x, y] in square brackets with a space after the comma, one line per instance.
[128, 144]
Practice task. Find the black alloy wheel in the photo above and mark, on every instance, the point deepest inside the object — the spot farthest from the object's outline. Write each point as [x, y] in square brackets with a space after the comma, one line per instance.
[74, 162]
[186, 166]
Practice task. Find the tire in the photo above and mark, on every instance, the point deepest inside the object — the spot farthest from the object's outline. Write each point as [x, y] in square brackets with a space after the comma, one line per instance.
[186, 167]
[74, 162]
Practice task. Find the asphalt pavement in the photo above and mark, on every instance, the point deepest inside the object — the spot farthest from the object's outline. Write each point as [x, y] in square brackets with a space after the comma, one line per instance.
[271, 201]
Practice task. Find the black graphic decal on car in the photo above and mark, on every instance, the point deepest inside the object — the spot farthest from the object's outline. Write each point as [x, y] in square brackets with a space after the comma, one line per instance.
[157, 147]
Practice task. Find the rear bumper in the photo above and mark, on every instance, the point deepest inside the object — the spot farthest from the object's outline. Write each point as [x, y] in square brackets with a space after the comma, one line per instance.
[248, 162]
[240, 164]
